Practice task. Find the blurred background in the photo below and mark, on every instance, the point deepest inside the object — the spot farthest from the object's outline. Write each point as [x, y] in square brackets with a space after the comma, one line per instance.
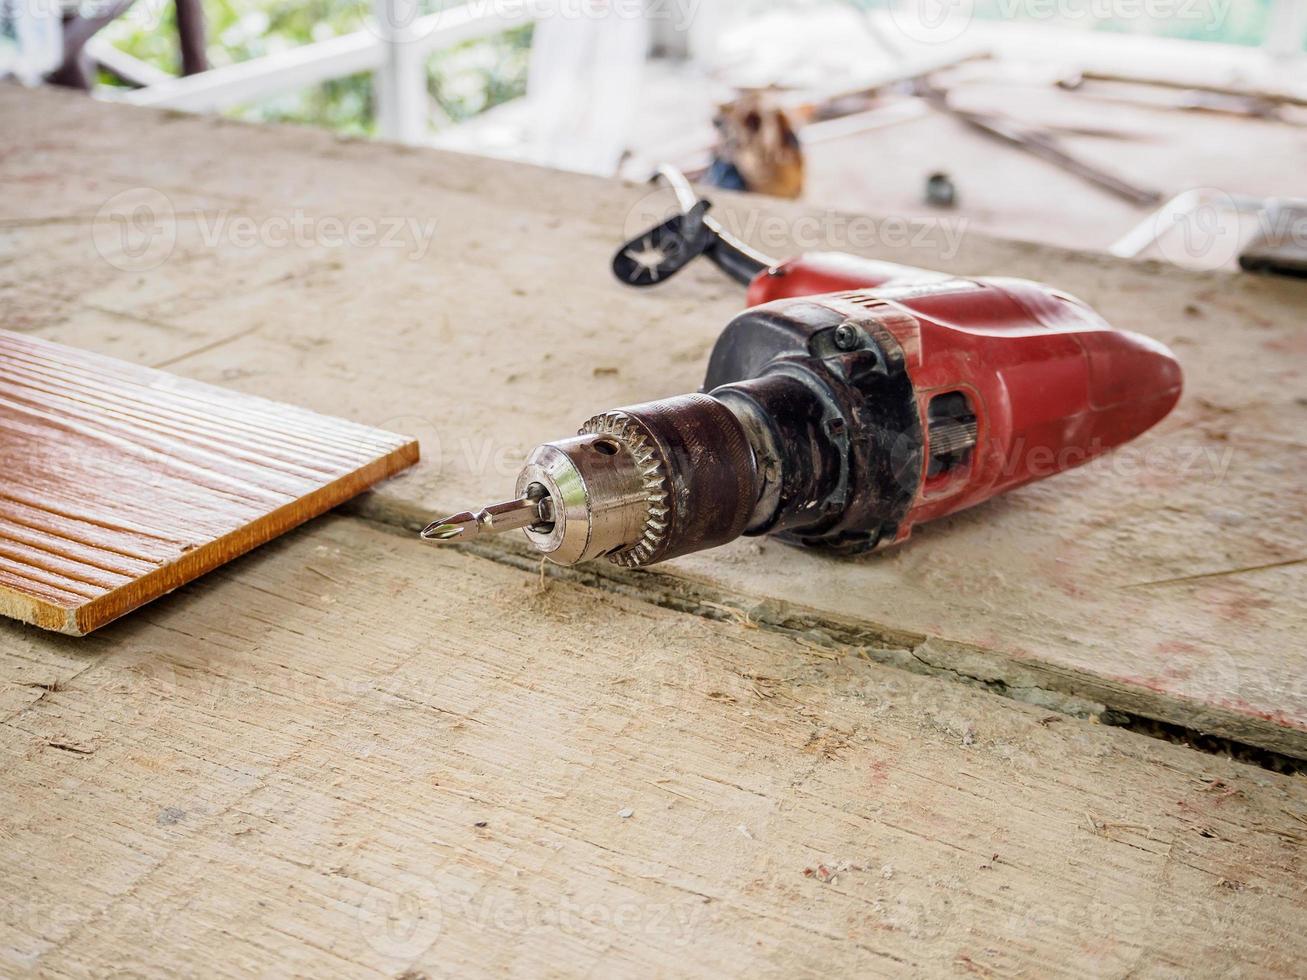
[1083, 123]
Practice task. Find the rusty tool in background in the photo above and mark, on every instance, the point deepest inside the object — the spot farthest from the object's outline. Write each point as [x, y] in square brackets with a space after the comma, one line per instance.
[854, 400]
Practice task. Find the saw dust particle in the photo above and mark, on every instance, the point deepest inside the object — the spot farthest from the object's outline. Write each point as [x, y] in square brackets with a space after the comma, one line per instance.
[738, 616]
[76, 748]
[971, 965]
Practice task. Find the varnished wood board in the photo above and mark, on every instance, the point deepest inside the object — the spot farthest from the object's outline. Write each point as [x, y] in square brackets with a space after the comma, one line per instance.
[121, 483]
[1166, 581]
[350, 753]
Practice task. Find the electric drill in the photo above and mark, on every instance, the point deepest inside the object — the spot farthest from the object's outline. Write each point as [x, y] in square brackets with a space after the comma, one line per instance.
[852, 400]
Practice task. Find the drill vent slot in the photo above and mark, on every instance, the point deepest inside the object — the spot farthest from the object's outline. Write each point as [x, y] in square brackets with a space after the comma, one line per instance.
[860, 297]
[951, 428]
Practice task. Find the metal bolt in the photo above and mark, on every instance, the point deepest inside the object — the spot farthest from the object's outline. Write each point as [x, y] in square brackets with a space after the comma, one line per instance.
[846, 336]
[940, 191]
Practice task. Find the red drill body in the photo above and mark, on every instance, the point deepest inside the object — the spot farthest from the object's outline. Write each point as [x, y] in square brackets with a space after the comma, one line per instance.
[1050, 384]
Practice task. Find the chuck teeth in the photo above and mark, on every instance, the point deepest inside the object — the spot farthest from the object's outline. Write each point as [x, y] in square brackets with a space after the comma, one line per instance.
[649, 463]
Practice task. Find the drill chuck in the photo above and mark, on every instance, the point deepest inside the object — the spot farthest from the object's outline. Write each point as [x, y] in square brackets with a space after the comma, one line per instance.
[595, 496]
[644, 483]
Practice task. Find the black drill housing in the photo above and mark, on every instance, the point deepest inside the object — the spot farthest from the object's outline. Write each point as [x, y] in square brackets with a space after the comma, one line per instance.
[806, 428]
[833, 394]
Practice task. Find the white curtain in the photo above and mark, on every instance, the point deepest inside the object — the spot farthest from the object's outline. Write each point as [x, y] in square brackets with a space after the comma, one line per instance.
[31, 39]
[587, 60]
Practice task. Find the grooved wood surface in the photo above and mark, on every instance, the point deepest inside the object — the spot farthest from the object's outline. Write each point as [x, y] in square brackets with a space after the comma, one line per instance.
[351, 754]
[1168, 580]
[121, 483]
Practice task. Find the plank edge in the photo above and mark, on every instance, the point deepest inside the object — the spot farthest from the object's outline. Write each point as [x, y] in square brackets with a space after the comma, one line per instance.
[213, 554]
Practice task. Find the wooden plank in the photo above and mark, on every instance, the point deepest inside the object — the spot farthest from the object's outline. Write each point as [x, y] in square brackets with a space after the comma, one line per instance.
[1166, 581]
[122, 483]
[349, 753]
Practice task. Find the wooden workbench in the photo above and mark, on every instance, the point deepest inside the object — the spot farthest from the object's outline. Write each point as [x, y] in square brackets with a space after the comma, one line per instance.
[351, 751]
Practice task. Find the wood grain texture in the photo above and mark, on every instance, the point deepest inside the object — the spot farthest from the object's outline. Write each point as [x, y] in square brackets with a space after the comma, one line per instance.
[1167, 581]
[349, 753]
[121, 483]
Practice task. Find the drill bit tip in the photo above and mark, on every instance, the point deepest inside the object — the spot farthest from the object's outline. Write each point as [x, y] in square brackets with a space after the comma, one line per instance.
[505, 516]
[451, 527]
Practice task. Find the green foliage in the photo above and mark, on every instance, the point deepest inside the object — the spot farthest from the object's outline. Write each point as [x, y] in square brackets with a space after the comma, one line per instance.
[463, 80]
[480, 75]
